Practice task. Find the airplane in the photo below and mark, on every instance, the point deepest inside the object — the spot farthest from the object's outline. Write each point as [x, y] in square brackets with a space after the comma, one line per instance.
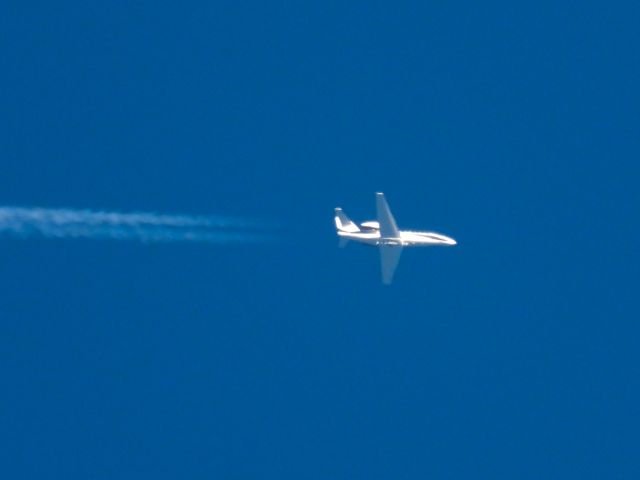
[384, 234]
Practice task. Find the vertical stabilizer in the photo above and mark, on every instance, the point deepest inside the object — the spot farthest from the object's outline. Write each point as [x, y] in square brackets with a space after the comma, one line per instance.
[343, 223]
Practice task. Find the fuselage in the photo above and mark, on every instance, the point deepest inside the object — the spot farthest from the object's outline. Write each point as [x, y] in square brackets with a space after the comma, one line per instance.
[370, 234]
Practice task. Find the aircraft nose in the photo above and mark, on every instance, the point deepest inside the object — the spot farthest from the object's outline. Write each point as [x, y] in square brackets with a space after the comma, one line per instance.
[451, 241]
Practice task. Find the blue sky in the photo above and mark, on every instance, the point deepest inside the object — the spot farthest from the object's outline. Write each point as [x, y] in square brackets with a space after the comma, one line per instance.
[511, 127]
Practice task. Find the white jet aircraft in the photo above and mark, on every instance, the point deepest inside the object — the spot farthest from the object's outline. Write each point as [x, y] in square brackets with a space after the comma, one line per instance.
[384, 234]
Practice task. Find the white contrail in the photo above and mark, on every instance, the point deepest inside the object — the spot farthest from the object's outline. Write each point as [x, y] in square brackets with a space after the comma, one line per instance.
[145, 227]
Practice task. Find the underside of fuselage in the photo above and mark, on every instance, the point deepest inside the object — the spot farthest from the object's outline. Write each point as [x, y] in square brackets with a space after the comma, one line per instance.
[406, 238]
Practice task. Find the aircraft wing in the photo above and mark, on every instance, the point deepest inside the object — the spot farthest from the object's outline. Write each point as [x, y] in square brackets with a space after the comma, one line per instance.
[389, 258]
[388, 227]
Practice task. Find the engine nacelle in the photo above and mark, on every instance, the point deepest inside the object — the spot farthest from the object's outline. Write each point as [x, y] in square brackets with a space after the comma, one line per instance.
[372, 224]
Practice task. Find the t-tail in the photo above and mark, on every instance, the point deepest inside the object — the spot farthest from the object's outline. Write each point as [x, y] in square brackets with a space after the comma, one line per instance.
[344, 224]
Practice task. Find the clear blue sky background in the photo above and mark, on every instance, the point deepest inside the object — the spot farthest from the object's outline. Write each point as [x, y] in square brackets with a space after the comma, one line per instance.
[512, 127]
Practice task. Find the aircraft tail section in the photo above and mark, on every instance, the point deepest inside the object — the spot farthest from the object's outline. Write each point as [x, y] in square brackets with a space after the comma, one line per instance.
[343, 223]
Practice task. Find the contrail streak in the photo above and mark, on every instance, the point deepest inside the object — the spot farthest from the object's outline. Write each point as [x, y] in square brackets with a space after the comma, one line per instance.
[144, 227]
